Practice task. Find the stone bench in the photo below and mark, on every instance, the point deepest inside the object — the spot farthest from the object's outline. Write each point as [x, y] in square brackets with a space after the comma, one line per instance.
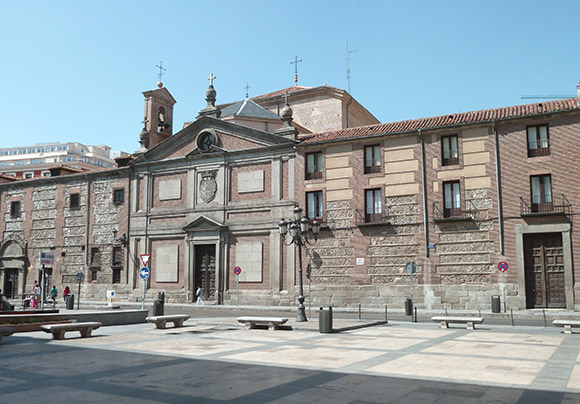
[567, 324]
[5, 331]
[161, 321]
[273, 323]
[470, 321]
[58, 330]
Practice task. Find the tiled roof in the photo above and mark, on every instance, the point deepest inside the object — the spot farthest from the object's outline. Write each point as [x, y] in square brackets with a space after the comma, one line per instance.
[442, 121]
[290, 90]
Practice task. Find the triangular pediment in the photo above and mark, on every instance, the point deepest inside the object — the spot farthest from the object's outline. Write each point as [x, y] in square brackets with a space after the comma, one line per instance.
[203, 223]
[229, 138]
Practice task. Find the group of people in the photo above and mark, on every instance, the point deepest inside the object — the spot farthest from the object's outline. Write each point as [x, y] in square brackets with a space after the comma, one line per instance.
[34, 301]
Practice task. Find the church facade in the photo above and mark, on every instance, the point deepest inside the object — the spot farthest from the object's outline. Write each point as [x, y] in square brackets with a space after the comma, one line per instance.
[457, 195]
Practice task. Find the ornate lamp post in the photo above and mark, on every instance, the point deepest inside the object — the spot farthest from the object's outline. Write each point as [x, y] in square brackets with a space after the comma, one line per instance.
[299, 234]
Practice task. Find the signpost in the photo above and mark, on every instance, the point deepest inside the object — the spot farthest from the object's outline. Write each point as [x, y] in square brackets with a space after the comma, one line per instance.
[238, 271]
[503, 267]
[144, 274]
[45, 258]
[80, 278]
[411, 268]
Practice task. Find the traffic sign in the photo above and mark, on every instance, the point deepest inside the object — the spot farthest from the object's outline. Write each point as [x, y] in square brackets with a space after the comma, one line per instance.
[145, 259]
[144, 273]
[502, 266]
[46, 258]
[237, 270]
[80, 277]
[411, 267]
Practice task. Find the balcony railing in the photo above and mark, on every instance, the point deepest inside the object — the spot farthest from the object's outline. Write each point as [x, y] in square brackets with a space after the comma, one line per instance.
[536, 149]
[467, 211]
[536, 205]
[363, 218]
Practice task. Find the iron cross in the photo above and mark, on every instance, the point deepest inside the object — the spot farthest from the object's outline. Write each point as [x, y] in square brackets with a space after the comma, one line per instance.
[211, 78]
[295, 63]
[161, 69]
[247, 87]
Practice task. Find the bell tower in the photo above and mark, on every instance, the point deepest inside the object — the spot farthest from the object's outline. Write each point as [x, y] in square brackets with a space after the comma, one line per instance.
[158, 114]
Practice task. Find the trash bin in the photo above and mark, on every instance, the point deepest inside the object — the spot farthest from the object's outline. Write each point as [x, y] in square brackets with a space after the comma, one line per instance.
[158, 305]
[495, 304]
[325, 320]
[408, 307]
[70, 302]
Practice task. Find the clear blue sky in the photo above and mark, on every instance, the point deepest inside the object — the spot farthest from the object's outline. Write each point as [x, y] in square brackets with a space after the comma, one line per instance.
[75, 70]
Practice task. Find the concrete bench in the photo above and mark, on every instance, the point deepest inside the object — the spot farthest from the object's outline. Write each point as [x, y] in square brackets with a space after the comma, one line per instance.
[5, 331]
[470, 321]
[58, 330]
[273, 323]
[161, 321]
[567, 324]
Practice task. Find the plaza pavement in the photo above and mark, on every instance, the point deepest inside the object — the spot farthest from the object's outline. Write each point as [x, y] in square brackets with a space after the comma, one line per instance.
[216, 360]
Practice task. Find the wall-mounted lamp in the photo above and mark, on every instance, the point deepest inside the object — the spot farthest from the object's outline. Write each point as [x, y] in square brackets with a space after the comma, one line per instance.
[122, 239]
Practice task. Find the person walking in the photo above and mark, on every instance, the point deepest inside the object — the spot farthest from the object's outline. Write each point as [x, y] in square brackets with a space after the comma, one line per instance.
[199, 295]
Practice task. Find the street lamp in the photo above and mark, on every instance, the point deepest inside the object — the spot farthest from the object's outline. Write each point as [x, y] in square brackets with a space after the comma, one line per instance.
[299, 229]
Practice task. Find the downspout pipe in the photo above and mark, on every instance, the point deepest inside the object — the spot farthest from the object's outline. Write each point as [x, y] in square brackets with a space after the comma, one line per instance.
[425, 214]
[498, 189]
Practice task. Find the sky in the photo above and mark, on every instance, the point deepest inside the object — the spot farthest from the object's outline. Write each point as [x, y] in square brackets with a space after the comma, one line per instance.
[76, 70]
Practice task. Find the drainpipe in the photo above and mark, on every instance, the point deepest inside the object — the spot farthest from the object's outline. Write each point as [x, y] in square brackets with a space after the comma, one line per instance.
[425, 215]
[129, 201]
[498, 189]
[88, 222]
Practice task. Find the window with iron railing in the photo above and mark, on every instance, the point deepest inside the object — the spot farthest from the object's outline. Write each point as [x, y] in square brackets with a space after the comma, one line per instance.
[373, 206]
[449, 150]
[451, 199]
[372, 159]
[313, 165]
[538, 141]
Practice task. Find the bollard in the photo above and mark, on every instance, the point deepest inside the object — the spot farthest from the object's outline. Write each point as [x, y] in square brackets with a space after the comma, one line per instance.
[359, 314]
[415, 313]
[386, 314]
[325, 320]
[512, 315]
[545, 322]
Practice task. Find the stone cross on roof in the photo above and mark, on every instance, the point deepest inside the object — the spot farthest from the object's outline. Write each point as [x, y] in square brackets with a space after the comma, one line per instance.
[211, 78]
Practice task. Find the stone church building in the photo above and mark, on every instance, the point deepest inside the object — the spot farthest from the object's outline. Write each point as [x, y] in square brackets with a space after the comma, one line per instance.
[455, 194]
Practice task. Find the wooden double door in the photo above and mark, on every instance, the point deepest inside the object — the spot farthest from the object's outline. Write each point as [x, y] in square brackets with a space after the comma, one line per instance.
[544, 268]
[205, 270]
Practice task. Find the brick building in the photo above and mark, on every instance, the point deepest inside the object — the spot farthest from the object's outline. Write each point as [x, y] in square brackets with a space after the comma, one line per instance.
[456, 194]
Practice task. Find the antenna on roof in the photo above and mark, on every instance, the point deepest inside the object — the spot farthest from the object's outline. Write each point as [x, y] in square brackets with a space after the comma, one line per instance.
[348, 64]
[545, 97]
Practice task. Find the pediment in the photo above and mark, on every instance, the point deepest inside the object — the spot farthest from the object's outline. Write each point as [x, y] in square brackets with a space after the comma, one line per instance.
[229, 138]
[203, 223]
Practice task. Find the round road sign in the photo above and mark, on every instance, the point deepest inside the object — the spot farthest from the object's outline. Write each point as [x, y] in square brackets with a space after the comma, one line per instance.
[144, 273]
[237, 270]
[502, 266]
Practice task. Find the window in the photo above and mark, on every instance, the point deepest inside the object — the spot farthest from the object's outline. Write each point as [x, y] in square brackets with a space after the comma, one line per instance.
[313, 165]
[314, 205]
[75, 200]
[541, 187]
[538, 141]
[118, 196]
[451, 199]
[449, 150]
[95, 257]
[117, 259]
[94, 274]
[28, 175]
[15, 209]
[372, 159]
[373, 206]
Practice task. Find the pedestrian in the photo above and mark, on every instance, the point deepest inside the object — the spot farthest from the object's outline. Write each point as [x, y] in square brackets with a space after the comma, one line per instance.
[199, 295]
[36, 288]
[66, 292]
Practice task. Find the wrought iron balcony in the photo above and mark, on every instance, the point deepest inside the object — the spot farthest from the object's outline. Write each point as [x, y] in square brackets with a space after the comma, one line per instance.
[369, 219]
[467, 211]
[535, 205]
[536, 149]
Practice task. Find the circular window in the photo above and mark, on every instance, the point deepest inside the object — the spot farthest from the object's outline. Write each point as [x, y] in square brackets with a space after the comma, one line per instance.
[205, 141]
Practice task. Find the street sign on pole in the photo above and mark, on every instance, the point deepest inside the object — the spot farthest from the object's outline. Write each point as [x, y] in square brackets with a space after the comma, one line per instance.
[144, 274]
[503, 267]
[46, 258]
[145, 259]
[238, 271]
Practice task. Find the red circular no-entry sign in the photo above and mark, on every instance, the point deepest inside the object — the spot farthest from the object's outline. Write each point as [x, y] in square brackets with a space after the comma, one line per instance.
[237, 270]
[502, 266]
